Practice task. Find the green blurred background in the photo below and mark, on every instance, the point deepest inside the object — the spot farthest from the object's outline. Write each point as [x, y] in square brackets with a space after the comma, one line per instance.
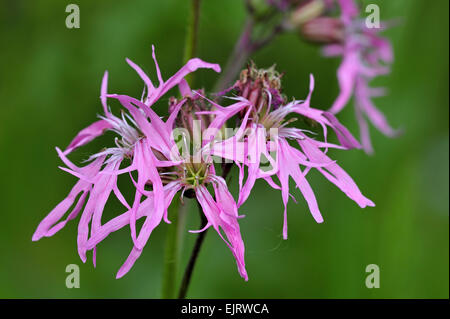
[49, 86]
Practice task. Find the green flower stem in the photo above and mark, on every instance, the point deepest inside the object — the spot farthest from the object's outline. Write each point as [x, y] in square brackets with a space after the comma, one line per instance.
[190, 46]
[238, 58]
[248, 44]
[177, 215]
[194, 255]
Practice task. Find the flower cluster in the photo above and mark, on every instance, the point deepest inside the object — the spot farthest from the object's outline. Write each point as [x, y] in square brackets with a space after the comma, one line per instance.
[165, 165]
[272, 138]
[146, 142]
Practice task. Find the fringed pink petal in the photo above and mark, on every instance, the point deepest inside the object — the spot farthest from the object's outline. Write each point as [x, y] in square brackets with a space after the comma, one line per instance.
[347, 73]
[338, 176]
[88, 134]
[46, 227]
[191, 66]
[343, 134]
[104, 92]
[142, 75]
[102, 188]
[216, 216]
[289, 166]
[152, 221]
[364, 131]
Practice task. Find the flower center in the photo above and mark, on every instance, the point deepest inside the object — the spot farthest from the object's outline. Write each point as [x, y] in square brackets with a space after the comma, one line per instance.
[194, 174]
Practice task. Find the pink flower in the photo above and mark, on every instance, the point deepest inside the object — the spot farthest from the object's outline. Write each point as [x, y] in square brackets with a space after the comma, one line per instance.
[365, 56]
[146, 141]
[186, 172]
[261, 143]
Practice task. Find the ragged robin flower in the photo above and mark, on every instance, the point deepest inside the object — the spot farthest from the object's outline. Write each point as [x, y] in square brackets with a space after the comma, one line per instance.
[366, 55]
[265, 136]
[144, 140]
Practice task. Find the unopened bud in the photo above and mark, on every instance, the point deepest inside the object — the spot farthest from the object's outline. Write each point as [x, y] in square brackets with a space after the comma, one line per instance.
[188, 117]
[306, 12]
[323, 30]
[260, 86]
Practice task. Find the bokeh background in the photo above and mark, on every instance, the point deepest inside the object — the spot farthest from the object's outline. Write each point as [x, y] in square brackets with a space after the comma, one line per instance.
[49, 86]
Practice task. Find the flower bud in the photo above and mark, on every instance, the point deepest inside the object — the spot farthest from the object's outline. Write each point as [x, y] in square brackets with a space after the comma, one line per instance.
[188, 118]
[323, 30]
[306, 12]
[261, 87]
